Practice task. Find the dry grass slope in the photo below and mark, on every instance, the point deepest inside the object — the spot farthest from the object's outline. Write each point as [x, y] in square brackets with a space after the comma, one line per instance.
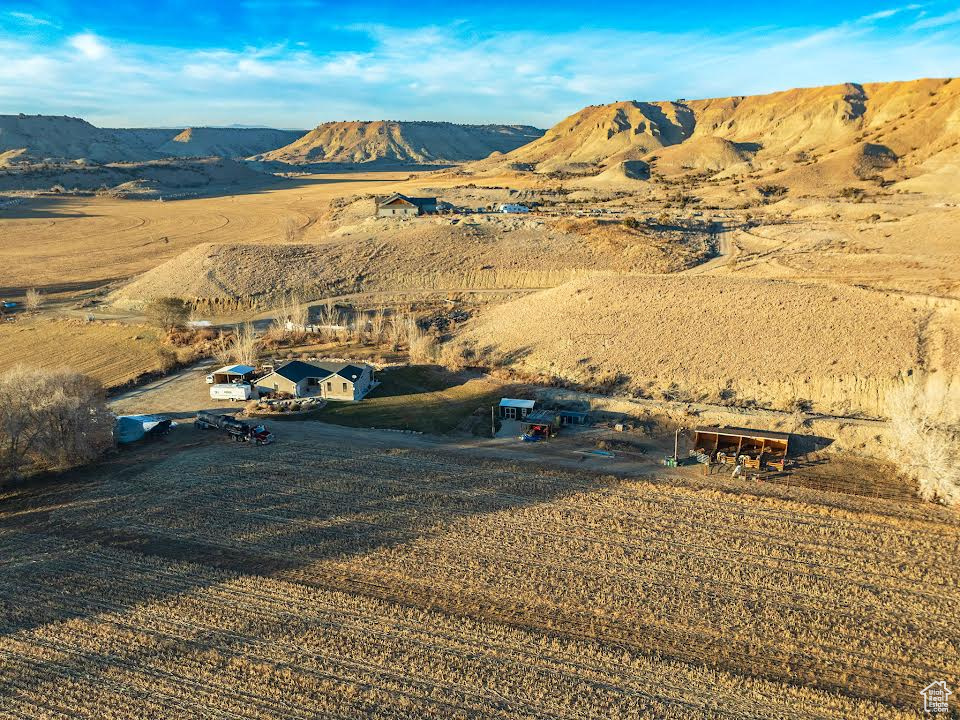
[714, 338]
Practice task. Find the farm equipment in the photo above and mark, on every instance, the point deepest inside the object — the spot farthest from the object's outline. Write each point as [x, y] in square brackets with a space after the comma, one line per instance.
[237, 430]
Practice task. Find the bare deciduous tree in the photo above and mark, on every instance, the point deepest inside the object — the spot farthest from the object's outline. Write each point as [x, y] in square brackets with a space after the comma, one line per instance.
[50, 419]
[33, 299]
[378, 321]
[244, 346]
[290, 317]
[926, 438]
[292, 232]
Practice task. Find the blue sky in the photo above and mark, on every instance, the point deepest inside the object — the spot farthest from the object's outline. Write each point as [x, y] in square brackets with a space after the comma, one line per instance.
[295, 64]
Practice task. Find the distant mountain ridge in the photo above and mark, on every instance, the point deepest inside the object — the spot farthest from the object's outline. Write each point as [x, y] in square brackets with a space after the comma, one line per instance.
[37, 138]
[401, 142]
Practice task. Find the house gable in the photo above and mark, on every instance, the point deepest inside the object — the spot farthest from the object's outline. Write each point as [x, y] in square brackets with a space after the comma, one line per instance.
[398, 201]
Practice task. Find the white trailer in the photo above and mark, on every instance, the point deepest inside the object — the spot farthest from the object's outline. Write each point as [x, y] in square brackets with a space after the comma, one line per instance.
[233, 391]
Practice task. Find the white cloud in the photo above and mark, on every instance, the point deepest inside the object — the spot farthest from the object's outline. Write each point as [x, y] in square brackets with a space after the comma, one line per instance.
[446, 73]
[25, 18]
[949, 18]
[90, 46]
[888, 13]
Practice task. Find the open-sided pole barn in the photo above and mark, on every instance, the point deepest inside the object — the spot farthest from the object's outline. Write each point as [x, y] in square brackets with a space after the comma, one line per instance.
[754, 448]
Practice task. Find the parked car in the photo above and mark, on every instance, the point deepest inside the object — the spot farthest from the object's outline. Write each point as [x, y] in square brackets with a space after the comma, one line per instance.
[233, 391]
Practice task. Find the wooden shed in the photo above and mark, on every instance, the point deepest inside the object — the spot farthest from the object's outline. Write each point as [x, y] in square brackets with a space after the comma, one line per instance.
[753, 448]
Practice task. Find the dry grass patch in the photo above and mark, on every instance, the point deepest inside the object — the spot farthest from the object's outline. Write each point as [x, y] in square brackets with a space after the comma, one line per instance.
[113, 353]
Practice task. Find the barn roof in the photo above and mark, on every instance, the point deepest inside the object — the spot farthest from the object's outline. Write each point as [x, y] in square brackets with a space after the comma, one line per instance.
[744, 432]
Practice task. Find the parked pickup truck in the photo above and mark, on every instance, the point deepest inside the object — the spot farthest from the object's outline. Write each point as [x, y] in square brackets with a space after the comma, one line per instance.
[233, 391]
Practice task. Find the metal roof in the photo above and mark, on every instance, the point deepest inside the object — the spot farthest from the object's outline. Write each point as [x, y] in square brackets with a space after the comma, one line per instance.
[541, 416]
[234, 370]
[417, 201]
[514, 403]
[744, 432]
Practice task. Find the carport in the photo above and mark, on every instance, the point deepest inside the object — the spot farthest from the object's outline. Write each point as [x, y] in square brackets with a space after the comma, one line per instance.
[231, 374]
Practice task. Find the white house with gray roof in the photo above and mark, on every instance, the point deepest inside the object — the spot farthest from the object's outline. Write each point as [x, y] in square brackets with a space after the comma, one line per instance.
[330, 380]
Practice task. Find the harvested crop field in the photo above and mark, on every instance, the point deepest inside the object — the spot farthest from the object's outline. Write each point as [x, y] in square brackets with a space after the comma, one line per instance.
[343, 573]
[113, 353]
[718, 339]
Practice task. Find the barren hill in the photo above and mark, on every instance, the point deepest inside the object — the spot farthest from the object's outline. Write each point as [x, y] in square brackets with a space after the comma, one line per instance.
[390, 142]
[168, 178]
[904, 123]
[35, 138]
[712, 339]
[226, 142]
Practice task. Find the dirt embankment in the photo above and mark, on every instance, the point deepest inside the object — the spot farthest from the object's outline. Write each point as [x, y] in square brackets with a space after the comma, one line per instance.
[424, 253]
[726, 340]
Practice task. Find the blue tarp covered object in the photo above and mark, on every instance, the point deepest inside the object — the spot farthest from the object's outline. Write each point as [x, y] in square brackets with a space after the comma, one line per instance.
[130, 428]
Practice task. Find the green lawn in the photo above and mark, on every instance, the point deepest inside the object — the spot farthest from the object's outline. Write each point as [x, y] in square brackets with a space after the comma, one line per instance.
[422, 398]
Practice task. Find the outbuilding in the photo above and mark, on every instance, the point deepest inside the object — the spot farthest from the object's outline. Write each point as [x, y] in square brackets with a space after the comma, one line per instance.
[573, 417]
[541, 423]
[736, 445]
[515, 409]
[333, 381]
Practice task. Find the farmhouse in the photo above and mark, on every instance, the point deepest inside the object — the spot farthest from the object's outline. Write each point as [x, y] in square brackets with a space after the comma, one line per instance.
[334, 381]
[401, 205]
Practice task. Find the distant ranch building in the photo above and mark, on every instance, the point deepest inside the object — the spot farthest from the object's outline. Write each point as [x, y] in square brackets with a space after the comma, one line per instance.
[333, 381]
[403, 206]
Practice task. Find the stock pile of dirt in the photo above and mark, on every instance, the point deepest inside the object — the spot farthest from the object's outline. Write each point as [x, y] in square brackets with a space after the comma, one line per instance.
[712, 339]
[426, 253]
[838, 133]
[389, 142]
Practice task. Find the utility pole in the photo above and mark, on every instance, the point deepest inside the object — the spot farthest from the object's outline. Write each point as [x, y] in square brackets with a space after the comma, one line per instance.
[493, 423]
